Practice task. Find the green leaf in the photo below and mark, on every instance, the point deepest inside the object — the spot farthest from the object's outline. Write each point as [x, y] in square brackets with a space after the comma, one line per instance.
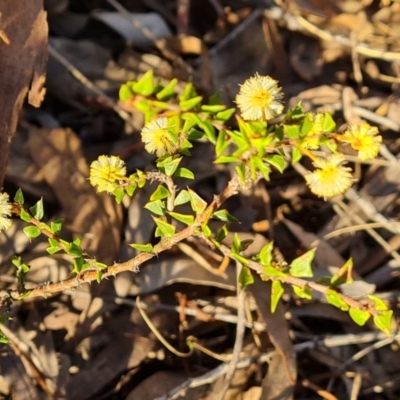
[16, 261]
[156, 207]
[262, 167]
[236, 244]
[329, 124]
[119, 194]
[77, 241]
[241, 171]
[241, 141]
[52, 242]
[277, 161]
[56, 226]
[223, 215]
[213, 108]
[164, 228]
[360, 317]
[53, 250]
[37, 210]
[169, 165]
[160, 193]
[225, 115]
[188, 92]
[291, 131]
[145, 85]
[380, 305]
[253, 169]
[226, 160]
[276, 294]
[184, 148]
[125, 92]
[78, 264]
[99, 276]
[331, 145]
[343, 274]
[184, 218]
[130, 189]
[265, 255]
[303, 293]
[182, 198]
[32, 231]
[19, 197]
[184, 173]
[169, 90]
[245, 277]
[25, 216]
[209, 130]
[206, 231]
[334, 298]
[75, 250]
[269, 271]
[383, 321]
[187, 105]
[295, 113]
[296, 155]
[222, 142]
[145, 248]
[196, 202]
[194, 134]
[301, 266]
[222, 234]
[307, 125]
[44, 227]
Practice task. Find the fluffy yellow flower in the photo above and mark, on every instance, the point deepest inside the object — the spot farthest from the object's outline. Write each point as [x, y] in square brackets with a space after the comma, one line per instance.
[260, 98]
[330, 177]
[5, 211]
[158, 137]
[105, 171]
[364, 138]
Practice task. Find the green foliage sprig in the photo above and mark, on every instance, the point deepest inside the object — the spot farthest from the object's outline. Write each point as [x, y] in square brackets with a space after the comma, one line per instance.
[174, 121]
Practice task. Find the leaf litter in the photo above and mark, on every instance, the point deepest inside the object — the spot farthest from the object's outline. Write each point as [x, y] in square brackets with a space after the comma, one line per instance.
[92, 343]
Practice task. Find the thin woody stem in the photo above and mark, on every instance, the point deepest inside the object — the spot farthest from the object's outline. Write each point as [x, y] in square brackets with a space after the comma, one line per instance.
[294, 281]
[166, 243]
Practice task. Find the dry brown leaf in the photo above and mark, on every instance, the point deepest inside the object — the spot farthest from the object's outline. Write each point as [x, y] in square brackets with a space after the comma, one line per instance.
[160, 383]
[119, 355]
[22, 66]
[279, 383]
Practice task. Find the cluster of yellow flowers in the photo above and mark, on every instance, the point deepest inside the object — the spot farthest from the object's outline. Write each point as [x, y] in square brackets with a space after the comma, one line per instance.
[260, 98]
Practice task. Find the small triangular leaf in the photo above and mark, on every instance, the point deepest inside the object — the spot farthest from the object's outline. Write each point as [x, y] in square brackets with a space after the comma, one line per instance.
[145, 248]
[360, 317]
[164, 228]
[301, 266]
[276, 294]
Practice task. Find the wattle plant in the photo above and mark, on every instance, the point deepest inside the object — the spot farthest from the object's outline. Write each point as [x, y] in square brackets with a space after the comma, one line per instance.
[263, 140]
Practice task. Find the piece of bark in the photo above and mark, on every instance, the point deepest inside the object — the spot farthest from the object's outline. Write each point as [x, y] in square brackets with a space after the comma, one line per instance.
[22, 65]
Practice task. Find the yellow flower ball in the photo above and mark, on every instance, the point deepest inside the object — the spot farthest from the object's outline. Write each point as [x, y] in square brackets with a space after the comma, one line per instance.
[260, 98]
[158, 137]
[330, 177]
[105, 172]
[364, 138]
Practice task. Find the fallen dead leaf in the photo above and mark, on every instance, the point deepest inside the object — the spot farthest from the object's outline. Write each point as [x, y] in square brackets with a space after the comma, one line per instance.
[22, 66]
